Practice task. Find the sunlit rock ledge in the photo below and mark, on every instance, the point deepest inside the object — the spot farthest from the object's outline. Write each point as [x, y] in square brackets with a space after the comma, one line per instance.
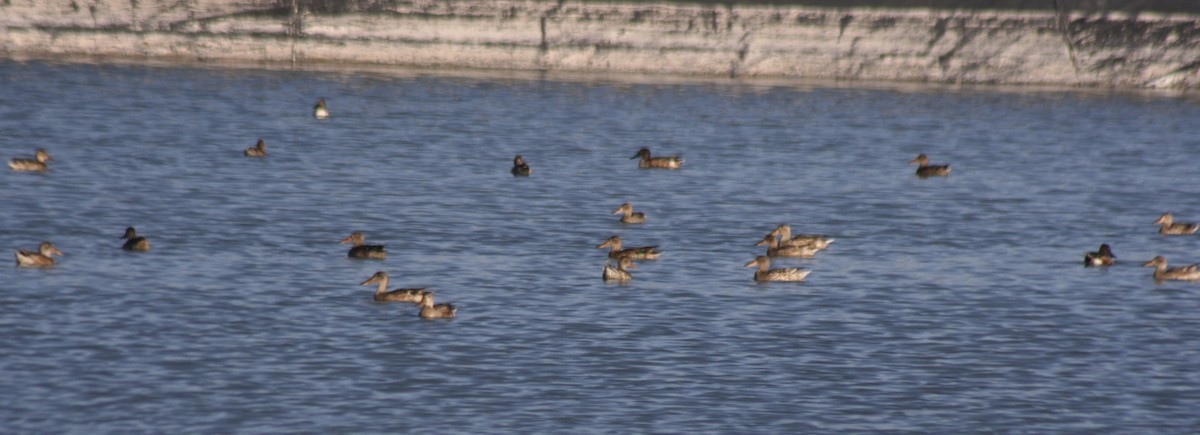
[1043, 47]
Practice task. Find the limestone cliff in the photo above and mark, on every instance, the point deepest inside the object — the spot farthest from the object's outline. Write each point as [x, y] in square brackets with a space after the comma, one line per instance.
[1038, 45]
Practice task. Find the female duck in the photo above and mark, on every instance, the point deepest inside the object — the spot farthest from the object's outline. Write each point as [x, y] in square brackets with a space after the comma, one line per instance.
[430, 310]
[640, 253]
[38, 164]
[412, 295]
[258, 150]
[520, 168]
[924, 169]
[1162, 272]
[787, 239]
[1103, 257]
[669, 162]
[41, 258]
[133, 242]
[1169, 226]
[621, 272]
[630, 216]
[361, 250]
[774, 250]
[319, 110]
[765, 273]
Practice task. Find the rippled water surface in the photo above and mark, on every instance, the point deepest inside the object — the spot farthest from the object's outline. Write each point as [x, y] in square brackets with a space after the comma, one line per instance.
[946, 305]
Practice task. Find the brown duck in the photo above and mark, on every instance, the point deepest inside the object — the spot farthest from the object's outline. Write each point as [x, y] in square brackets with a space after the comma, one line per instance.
[520, 168]
[361, 249]
[412, 295]
[639, 253]
[133, 242]
[924, 169]
[1102, 257]
[765, 273]
[258, 150]
[1182, 273]
[37, 164]
[41, 258]
[668, 162]
[630, 216]
[1169, 226]
[430, 310]
[620, 273]
[774, 250]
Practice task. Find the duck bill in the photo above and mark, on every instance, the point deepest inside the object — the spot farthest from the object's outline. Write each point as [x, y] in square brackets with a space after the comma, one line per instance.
[1150, 263]
[1161, 220]
[55, 251]
[348, 239]
[369, 281]
[762, 243]
[752, 264]
[604, 245]
[619, 210]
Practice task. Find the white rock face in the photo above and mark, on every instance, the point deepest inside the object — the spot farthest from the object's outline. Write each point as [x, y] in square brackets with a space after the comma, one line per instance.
[960, 46]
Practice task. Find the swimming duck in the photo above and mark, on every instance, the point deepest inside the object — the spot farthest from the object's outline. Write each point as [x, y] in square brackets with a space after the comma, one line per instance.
[520, 169]
[786, 238]
[1174, 228]
[258, 150]
[38, 164]
[924, 169]
[429, 310]
[669, 162]
[1162, 272]
[41, 258]
[319, 110]
[382, 294]
[774, 250]
[1103, 257]
[764, 273]
[362, 250]
[639, 253]
[630, 216]
[619, 273]
[133, 242]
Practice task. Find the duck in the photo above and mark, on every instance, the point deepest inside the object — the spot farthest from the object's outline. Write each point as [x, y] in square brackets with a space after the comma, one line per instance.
[784, 231]
[1169, 226]
[669, 162]
[765, 273]
[38, 164]
[319, 110]
[133, 242]
[1103, 257]
[362, 250]
[621, 272]
[520, 168]
[258, 150]
[924, 169]
[41, 258]
[412, 295]
[630, 216]
[430, 310]
[774, 250]
[1182, 273]
[639, 253]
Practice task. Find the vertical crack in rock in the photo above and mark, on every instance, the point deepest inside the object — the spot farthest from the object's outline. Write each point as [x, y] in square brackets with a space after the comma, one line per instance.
[1061, 21]
[845, 21]
[939, 30]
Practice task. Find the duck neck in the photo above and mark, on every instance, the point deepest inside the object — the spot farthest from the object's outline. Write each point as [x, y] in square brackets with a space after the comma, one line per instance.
[383, 284]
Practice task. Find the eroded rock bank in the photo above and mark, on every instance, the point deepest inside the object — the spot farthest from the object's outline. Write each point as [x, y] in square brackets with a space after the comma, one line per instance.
[1036, 45]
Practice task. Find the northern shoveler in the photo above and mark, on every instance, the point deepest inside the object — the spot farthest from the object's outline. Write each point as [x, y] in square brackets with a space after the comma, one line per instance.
[765, 273]
[786, 238]
[639, 253]
[774, 250]
[1169, 226]
[412, 295]
[41, 258]
[630, 216]
[669, 162]
[361, 249]
[258, 150]
[1182, 273]
[924, 169]
[430, 310]
[133, 242]
[38, 164]
[620, 273]
[1103, 257]
[319, 110]
[520, 168]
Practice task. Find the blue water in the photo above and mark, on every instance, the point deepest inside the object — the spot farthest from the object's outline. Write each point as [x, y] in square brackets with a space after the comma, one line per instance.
[946, 305]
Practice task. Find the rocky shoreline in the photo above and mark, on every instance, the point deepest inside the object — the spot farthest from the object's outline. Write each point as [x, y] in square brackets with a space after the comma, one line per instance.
[1105, 49]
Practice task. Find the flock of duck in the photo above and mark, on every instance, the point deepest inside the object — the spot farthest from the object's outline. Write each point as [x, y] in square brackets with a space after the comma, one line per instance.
[779, 242]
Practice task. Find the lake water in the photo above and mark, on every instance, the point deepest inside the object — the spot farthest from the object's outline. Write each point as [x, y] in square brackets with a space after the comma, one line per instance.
[946, 305]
